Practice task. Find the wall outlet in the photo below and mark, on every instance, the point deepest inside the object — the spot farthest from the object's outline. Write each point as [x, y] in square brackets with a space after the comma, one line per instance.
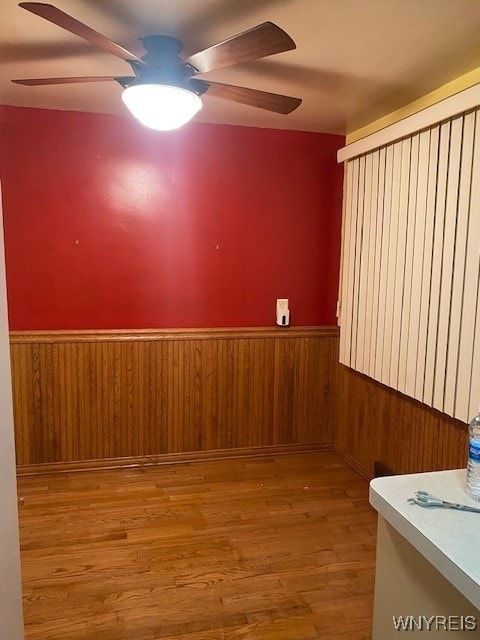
[283, 312]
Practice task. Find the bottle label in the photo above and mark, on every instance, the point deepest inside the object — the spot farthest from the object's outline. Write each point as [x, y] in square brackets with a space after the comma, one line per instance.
[474, 450]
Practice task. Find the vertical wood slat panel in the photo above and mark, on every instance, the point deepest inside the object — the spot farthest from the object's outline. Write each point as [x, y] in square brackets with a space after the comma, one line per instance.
[426, 274]
[412, 287]
[383, 265]
[371, 261]
[401, 239]
[436, 273]
[21, 378]
[357, 302]
[348, 270]
[450, 229]
[377, 304]
[365, 196]
[468, 379]
[410, 236]
[89, 398]
[344, 252]
[412, 351]
[474, 399]
[379, 423]
[458, 274]
[391, 262]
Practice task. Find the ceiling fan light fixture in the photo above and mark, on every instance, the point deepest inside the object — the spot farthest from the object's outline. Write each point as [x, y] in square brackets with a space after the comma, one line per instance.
[161, 107]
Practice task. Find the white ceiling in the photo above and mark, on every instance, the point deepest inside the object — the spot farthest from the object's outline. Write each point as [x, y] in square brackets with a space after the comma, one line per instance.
[355, 59]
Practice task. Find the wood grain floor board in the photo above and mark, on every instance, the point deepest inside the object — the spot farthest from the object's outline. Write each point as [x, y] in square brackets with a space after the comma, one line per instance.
[273, 548]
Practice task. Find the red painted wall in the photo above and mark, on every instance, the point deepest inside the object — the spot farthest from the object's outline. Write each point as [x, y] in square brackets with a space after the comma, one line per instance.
[111, 225]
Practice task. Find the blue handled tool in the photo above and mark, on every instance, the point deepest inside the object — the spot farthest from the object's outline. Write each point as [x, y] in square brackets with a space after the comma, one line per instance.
[426, 499]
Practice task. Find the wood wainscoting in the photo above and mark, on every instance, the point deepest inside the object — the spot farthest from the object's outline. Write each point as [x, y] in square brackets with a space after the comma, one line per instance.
[118, 396]
[379, 423]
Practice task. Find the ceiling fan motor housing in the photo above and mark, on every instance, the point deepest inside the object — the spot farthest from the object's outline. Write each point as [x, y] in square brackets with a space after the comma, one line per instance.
[162, 65]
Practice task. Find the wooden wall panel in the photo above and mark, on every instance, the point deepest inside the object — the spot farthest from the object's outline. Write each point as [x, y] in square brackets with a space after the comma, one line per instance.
[376, 422]
[83, 396]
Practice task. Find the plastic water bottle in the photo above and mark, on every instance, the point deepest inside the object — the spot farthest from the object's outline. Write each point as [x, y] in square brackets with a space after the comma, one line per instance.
[473, 467]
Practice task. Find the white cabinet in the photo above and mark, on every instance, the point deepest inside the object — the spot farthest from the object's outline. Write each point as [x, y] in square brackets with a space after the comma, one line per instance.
[428, 560]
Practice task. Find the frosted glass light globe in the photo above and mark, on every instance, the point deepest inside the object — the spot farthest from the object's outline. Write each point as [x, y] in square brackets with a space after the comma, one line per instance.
[161, 107]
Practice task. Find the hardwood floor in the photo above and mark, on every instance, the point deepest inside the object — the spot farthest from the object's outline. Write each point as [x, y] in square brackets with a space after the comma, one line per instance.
[272, 548]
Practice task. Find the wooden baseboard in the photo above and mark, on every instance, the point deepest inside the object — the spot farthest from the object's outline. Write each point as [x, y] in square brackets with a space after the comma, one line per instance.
[170, 458]
[352, 462]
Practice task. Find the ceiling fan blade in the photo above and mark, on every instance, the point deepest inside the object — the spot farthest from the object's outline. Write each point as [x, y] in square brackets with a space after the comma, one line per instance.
[258, 42]
[252, 97]
[61, 19]
[32, 82]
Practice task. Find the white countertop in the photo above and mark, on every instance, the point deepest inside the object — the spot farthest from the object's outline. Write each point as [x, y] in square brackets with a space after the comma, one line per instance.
[448, 538]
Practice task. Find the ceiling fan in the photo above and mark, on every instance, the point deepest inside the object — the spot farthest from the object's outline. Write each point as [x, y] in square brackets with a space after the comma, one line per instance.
[164, 92]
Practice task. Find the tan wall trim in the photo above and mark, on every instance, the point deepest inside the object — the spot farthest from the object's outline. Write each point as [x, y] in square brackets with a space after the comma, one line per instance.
[445, 91]
[461, 102]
